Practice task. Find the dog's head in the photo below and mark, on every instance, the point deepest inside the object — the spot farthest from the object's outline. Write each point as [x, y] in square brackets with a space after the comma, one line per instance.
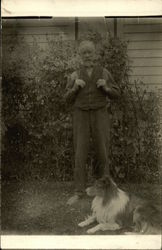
[102, 187]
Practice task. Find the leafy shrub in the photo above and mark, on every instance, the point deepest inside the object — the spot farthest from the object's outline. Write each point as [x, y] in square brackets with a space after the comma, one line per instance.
[37, 121]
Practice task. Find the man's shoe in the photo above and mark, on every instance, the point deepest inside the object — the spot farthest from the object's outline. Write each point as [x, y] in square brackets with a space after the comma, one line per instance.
[74, 199]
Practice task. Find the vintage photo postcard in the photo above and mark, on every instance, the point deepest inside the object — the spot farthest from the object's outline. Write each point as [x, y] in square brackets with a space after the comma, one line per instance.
[81, 131]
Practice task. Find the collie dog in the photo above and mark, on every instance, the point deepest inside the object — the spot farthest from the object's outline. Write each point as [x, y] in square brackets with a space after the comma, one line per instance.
[114, 209]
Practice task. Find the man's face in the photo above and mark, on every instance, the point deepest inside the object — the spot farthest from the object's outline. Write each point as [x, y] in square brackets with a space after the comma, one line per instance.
[88, 55]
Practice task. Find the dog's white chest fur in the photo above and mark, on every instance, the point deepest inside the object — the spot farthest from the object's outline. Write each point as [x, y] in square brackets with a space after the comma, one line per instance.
[109, 212]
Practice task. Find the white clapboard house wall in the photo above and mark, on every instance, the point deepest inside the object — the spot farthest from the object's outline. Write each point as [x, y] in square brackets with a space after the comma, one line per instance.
[38, 29]
[144, 49]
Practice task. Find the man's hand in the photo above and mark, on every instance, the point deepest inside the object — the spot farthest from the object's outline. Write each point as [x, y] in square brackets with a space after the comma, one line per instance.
[101, 83]
[79, 83]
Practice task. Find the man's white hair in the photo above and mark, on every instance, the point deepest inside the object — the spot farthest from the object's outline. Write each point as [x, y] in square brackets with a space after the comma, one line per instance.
[86, 45]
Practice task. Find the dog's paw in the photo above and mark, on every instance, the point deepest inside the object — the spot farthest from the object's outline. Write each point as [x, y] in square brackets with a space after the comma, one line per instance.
[91, 231]
[111, 227]
[114, 227]
[82, 224]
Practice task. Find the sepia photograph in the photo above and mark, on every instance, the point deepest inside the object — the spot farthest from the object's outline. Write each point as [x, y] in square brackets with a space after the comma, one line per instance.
[81, 126]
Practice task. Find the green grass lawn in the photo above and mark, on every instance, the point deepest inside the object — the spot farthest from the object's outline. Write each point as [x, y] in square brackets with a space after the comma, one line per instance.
[40, 208]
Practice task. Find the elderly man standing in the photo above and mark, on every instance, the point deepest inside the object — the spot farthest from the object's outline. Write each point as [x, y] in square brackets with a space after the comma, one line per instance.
[88, 89]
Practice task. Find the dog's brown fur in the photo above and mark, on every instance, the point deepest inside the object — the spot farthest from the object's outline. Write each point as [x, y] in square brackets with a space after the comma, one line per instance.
[147, 219]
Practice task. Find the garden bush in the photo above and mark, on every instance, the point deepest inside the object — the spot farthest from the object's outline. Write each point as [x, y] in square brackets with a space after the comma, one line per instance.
[37, 131]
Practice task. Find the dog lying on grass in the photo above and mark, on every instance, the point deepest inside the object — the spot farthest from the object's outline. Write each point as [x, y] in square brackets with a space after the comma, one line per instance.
[115, 209]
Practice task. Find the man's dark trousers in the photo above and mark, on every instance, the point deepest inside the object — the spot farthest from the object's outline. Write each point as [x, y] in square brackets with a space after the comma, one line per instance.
[93, 122]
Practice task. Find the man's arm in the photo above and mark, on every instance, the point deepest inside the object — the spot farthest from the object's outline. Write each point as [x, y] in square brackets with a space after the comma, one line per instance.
[71, 90]
[111, 89]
